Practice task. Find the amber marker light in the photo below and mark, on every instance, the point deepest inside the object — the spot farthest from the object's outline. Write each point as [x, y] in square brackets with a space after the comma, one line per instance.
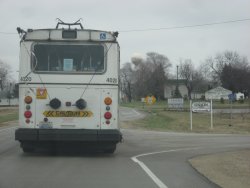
[28, 99]
[107, 100]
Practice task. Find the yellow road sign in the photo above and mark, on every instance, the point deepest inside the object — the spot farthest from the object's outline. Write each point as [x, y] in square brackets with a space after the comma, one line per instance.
[67, 113]
[150, 100]
[41, 93]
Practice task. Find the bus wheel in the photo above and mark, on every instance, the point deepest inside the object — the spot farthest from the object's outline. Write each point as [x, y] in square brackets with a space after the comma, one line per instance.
[27, 147]
[110, 150]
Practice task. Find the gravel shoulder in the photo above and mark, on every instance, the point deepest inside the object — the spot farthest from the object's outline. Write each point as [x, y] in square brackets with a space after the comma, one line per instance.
[228, 170]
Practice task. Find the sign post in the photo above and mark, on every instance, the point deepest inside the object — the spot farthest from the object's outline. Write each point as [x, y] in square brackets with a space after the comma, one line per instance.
[211, 113]
[201, 107]
[191, 116]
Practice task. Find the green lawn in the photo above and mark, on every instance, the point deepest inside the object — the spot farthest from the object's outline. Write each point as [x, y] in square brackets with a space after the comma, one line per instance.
[159, 118]
[164, 104]
[8, 117]
[8, 114]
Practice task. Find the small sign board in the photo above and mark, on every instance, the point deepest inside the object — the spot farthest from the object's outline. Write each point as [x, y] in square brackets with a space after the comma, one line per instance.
[150, 100]
[201, 107]
[175, 103]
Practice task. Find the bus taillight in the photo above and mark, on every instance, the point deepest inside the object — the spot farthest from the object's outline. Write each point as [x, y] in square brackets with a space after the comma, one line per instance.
[28, 99]
[27, 114]
[107, 115]
[107, 100]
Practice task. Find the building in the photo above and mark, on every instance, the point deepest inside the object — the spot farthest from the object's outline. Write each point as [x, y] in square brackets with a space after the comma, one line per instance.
[217, 93]
[170, 87]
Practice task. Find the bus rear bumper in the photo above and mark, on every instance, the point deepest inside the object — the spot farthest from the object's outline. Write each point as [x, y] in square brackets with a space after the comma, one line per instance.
[82, 135]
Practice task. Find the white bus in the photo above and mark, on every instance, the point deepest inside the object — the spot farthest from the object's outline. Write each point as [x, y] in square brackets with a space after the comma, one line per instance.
[68, 88]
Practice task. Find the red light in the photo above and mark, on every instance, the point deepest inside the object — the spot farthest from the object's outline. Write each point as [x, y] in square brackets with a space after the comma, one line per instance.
[27, 121]
[27, 114]
[108, 115]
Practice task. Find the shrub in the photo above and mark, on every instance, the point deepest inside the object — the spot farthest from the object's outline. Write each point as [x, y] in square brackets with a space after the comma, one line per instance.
[222, 100]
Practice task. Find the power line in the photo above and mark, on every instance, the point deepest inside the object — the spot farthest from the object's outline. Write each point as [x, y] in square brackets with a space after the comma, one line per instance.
[7, 33]
[187, 26]
[167, 28]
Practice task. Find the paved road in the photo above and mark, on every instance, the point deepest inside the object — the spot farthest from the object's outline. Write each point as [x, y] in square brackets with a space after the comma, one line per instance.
[145, 160]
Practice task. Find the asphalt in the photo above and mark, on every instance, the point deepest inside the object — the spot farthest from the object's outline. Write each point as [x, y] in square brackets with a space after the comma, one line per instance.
[145, 159]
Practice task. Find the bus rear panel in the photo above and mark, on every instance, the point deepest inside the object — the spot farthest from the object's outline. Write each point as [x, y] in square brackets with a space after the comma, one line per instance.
[68, 86]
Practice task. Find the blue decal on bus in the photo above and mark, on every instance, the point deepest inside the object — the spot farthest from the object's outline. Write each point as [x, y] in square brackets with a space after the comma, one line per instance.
[103, 36]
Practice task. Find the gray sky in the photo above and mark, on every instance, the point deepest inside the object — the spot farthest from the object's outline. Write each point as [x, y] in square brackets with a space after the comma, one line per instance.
[194, 43]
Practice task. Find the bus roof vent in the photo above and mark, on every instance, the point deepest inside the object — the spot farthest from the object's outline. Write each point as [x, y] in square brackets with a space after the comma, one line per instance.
[77, 23]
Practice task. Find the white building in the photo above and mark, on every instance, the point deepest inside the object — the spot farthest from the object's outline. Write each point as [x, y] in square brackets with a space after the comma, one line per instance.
[217, 93]
[239, 96]
[170, 87]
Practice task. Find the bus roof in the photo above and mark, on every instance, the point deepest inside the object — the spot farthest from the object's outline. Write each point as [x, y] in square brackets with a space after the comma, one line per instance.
[69, 35]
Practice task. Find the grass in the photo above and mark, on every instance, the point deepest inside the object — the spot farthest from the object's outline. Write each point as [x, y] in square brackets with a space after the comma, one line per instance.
[8, 115]
[163, 105]
[179, 121]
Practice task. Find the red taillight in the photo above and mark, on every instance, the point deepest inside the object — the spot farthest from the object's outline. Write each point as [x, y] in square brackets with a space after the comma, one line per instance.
[28, 99]
[107, 115]
[27, 114]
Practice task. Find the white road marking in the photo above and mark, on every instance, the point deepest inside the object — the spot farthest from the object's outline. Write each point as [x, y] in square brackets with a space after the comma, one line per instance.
[2, 130]
[157, 181]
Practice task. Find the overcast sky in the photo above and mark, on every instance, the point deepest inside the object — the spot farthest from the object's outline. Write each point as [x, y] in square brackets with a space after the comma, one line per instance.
[195, 43]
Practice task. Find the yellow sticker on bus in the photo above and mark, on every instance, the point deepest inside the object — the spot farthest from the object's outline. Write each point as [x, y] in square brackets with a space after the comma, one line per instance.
[41, 93]
[67, 113]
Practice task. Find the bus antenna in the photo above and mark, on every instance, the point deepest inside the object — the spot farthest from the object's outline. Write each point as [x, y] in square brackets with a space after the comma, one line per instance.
[77, 23]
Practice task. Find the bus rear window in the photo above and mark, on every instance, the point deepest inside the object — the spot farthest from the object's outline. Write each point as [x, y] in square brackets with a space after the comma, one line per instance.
[68, 58]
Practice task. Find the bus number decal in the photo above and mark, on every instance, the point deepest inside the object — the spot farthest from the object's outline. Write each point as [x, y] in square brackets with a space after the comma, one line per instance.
[26, 79]
[112, 80]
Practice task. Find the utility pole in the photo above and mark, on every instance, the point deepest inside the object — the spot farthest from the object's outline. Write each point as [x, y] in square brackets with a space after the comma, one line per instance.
[177, 73]
[177, 85]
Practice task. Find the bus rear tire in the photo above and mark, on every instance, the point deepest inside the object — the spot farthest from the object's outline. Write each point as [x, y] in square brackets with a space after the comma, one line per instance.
[27, 150]
[110, 150]
[27, 147]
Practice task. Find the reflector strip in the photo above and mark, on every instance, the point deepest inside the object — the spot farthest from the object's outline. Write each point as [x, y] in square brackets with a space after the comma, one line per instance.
[67, 113]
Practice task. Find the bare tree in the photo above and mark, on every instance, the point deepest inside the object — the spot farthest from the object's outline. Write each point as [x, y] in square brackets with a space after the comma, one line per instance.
[126, 80]
[236, 78]
[4, 75]
[218, 63]
[148, 76]
[186, 72]
[160, 65]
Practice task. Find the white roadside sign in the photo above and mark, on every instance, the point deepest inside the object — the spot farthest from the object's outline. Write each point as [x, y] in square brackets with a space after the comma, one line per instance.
[175, 103]
[201, 107]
